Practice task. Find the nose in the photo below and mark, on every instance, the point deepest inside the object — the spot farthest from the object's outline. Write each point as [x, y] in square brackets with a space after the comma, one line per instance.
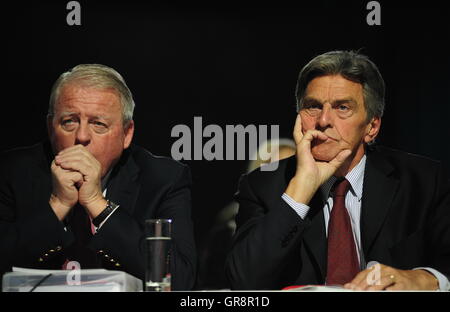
[325, 119]
[83, 134]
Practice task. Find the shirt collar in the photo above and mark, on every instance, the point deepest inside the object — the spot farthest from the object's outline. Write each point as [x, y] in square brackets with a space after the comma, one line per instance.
[355, 177]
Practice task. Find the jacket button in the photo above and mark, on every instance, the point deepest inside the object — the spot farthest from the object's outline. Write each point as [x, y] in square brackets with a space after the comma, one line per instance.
[40, 260]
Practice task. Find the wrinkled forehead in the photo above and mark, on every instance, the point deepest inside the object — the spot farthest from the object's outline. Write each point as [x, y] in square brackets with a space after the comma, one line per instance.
[333, 88]
[329, 89]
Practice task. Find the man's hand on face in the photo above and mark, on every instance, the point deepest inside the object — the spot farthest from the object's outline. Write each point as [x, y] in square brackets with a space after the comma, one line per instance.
[310, 174]
[65, 190]
[78, 159]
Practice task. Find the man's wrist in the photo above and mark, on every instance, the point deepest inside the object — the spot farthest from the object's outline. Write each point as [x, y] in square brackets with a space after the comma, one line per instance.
[431, 282]
[58, 207]
[300, 192]
[96, 207]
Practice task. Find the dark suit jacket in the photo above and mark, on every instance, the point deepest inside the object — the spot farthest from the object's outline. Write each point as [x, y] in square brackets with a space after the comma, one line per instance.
[405, 223]
[145, 186]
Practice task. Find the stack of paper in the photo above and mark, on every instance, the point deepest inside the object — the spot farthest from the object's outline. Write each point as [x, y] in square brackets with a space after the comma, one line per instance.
[95, 280]
[319, 288]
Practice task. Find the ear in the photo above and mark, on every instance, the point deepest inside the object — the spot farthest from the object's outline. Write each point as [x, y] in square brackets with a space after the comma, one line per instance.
[372, 129]
[129, 131]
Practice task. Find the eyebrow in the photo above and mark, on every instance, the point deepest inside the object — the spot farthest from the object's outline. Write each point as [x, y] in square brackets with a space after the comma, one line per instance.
[66, 114]
[310, 100]
[344, 100]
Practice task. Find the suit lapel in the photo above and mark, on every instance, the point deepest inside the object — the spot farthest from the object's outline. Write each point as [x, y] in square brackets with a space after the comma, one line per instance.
[123, 186]
[378, 192]
[42, 178]
[315, 236]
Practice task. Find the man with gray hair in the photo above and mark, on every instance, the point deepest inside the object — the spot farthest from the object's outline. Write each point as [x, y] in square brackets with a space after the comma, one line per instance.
[342, 211]
[85, 194]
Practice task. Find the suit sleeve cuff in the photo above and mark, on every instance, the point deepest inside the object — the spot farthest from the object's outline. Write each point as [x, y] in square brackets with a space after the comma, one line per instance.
[444, 283]
[299, 208]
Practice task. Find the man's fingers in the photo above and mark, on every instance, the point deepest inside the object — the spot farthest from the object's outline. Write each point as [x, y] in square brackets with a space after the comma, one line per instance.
[71, 149]
[81, 154]
[358, 281]
[76, 165]
[58, 169]
[74, 151]
[395, 286]
[386, 278]
[76, 178]
[78, 161]
[298, 135]
[63, 174]
[343, 155]
[314, 134]
[340, 158]
[310, 135]
[73, 159]
[61, 159]
[382, 283]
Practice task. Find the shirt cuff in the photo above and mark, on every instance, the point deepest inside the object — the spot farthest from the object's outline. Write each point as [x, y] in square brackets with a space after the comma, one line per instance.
[299, 208]
[444, 283]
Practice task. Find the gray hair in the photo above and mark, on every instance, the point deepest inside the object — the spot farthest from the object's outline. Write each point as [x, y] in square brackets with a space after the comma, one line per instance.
[352, 66]
[97, 76]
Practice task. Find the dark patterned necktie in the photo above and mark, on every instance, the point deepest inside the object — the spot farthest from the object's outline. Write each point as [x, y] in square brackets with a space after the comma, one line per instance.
[80, 225]
[343, 262]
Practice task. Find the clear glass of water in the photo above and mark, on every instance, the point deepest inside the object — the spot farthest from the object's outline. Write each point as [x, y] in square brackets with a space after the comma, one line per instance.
[158, 240]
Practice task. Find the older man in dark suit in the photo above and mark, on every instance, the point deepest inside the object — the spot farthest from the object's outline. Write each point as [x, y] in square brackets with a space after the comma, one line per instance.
[85, 194]
[342, 211]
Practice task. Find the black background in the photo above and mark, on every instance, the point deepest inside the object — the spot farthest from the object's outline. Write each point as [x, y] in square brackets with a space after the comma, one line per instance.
[230, 64]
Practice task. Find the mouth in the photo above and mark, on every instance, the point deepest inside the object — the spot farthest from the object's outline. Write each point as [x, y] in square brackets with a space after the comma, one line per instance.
[328, 140]
[331, 139]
